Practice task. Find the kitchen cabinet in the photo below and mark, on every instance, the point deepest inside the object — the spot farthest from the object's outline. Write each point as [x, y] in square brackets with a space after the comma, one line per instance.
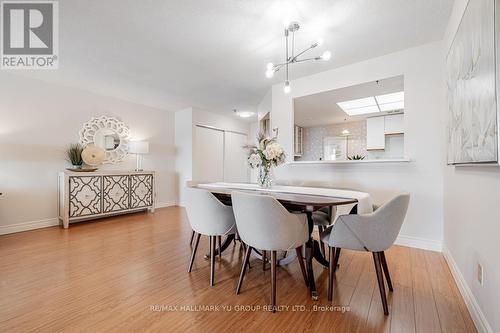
[375, 133]
[394, 124]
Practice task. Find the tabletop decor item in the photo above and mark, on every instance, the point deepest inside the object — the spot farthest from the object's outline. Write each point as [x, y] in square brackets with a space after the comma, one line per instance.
[356, 157]
[267, 154]
[82, 169]
[93, 155]
[74, 155]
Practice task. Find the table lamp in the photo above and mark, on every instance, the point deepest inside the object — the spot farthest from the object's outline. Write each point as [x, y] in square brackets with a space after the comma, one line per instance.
[138, 148]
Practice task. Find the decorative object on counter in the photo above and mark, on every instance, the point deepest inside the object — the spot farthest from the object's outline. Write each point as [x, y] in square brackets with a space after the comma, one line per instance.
[74, 155]
[109, 134]
[472, 129]
[138, 148]
[267, 154]
[93, 155]
[355, 157]
[82, 169]
[334, 148]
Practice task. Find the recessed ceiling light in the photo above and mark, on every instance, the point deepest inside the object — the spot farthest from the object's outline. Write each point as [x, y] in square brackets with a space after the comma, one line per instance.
[391, 98]
[357, 103]
[244, 114]
[374, 104]
[390, 102]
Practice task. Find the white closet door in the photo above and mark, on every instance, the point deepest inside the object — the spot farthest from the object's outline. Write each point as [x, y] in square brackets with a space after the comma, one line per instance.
[235, 158]
[208, 162]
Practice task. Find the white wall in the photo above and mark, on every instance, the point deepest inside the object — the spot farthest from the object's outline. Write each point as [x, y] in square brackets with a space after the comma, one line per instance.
[472, 224]
[187, 161]
[38, 120]
[184, 148]
[422, 177]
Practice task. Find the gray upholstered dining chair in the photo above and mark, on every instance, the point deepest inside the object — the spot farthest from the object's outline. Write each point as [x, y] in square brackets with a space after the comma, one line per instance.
[264, 224]
[210, 217]
[374, 232]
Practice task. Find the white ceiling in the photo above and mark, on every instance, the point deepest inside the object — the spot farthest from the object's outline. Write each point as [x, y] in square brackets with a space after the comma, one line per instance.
[322, 109]
[212, 54]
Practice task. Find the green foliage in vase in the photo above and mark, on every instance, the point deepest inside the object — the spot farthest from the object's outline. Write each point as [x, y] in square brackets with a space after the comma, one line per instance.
[74, 154]
[355, 157]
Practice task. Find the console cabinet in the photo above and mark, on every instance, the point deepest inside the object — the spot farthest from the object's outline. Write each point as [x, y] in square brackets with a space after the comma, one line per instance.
[88, 195]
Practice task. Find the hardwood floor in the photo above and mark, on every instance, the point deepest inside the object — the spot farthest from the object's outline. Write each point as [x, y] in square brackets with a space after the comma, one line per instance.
[129, 273]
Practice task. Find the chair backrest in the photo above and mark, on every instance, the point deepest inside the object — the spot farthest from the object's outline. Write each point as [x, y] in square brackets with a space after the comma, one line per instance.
[263, 223]
[207, 215]
[374, 232]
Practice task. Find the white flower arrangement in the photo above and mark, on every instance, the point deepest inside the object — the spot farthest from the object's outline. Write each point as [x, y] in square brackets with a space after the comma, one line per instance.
[266, 154]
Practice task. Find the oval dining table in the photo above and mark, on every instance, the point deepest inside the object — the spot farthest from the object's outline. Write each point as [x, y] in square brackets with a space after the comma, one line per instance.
[293, 202]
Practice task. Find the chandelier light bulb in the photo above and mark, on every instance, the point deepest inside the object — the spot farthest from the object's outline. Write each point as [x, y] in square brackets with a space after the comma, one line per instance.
[287, 88]
[292, 56]
[326, 55]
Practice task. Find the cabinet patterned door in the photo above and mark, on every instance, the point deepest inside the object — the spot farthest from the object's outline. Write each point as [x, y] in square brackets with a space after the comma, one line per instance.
[84, 195]
[115, 194]
[141, 191]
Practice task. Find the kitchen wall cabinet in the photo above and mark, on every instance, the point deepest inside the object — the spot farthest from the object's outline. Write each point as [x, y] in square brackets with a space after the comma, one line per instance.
[375, 133]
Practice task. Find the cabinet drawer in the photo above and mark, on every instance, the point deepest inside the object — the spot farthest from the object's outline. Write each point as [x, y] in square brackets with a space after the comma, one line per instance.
[84, 195]
[116, 193]
[141, 191]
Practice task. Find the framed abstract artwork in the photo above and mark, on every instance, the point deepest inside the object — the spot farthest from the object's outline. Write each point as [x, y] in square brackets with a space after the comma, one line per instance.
[472, 86]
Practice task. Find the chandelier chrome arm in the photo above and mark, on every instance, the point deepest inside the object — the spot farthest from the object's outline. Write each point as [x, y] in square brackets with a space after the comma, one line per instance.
[294, 58]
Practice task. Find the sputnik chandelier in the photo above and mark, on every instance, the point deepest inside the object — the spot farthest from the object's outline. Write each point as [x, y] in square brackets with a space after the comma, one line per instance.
[292, 58]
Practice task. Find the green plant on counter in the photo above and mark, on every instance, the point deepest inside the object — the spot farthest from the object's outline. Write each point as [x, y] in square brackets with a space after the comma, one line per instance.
[74, 154]
[355, 157]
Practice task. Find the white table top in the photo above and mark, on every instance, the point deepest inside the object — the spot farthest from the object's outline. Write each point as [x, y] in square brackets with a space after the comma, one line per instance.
[365, 204]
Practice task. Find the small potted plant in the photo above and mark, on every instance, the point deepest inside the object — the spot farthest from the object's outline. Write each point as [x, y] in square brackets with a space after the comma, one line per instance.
[355, 157]
[74, 155]
[267, 154]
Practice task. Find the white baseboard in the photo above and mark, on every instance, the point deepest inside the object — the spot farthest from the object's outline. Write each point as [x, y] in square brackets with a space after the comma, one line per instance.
[18, 227]
[32, 225]
[419, 243]
[165, 204]
[477, 315]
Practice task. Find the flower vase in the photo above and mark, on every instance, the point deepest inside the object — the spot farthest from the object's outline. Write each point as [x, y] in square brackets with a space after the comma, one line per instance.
[265, 176]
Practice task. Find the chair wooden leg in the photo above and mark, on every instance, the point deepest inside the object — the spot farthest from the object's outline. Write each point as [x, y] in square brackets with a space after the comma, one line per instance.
[245, 247]
[331, 270]
[380, 279]
[336, 259]
[273, 280]
[193, 254]
[219, 241]
[192, 237]
[264, 255]
[212, 260]
[300, 258]
[243, 269]
[320, 229]
[386, 271]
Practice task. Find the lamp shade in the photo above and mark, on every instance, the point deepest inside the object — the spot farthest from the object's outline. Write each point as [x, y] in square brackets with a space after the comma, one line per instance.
[138, 147]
